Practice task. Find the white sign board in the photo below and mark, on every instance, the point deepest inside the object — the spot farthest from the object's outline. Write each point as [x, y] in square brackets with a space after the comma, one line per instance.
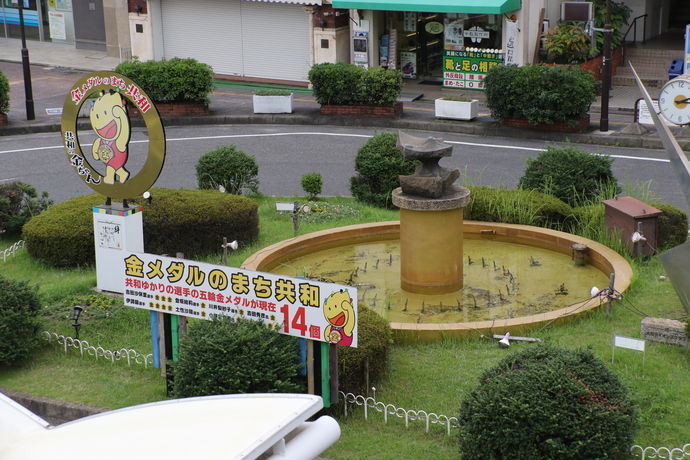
[643, 117]
[627, 342]
[314, 310]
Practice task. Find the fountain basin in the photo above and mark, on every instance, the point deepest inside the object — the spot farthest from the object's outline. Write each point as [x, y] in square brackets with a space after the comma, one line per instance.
[598, 256]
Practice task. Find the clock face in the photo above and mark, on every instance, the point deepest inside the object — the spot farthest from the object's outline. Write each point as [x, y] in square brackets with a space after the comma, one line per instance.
[674, 101]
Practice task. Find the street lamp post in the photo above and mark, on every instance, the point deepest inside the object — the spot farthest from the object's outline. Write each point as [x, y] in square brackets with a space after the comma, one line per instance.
[606, 77]
[28, 92]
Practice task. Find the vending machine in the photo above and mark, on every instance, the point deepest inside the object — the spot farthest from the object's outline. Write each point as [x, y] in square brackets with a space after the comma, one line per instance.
[360, 46]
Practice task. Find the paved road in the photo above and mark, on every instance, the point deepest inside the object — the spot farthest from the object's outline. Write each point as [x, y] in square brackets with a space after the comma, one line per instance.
[285, 153]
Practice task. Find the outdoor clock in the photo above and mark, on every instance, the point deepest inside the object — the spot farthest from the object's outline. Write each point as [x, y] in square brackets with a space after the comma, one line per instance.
[674, 100]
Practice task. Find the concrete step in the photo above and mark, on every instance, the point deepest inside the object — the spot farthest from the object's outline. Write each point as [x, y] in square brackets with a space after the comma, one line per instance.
[618, 80]
[649, 62]
[643, 71]
[660, 54]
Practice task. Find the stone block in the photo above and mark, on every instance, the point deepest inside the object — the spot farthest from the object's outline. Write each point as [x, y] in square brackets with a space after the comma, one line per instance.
[664, 331]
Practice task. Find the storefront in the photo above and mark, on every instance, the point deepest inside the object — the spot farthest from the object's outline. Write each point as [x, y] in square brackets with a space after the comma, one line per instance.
[44, 20]
[453, 42]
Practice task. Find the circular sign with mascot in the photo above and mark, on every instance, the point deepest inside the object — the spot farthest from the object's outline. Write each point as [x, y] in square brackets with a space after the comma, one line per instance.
[108, 165]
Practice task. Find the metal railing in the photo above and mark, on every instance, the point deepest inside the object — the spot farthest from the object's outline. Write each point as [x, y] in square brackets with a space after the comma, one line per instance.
[12, 250]
[389, 409]
[661, 452]
[85, 348]
[633, 27]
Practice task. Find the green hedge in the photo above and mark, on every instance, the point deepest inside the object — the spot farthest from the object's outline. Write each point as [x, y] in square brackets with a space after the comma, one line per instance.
[541, 93]
[544, 403]
[176, 80]
[20, 324]
[525, 207]
[227, 357]
[371, 355]
[4, 93]
[349, 84]
[672, 227]
[193, 222]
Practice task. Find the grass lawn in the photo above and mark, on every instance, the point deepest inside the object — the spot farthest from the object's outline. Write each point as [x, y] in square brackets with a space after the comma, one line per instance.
[431, 377]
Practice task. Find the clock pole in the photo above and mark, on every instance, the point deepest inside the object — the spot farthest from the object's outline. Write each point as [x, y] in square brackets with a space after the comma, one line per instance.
[606, 76]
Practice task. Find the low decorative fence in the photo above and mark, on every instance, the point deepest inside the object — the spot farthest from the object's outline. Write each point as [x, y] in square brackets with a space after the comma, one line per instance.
[85, 348]
[389, 409]
[12, 250]
[677, 453]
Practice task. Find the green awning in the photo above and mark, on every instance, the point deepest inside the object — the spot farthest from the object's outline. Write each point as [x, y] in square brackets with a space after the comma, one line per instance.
[433, 6]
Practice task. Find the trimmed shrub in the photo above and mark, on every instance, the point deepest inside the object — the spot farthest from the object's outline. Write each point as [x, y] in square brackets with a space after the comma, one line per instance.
[19, 320]
[176, 80]
[19, 202]
[573, 175]
[544, 403]
[349, 84]
[371, 355]
[193, 222]
[541, 93]
[227, 357]
[4, 93]
[312, 183]
[525, 207]
[672, 227]
[229, 168]
[379, 163]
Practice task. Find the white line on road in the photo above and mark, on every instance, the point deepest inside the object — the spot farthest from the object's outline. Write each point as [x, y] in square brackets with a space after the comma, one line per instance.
[237, 136]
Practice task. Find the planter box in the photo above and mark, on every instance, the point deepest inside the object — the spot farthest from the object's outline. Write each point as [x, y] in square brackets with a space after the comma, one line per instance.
[272, 104]
[456, 110]
[362, 111]
[3, 119]
[175, 109]
[560, 126]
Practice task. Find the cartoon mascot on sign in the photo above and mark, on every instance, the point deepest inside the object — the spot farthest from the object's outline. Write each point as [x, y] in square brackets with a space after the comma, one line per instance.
[110, 121]
[340, 314]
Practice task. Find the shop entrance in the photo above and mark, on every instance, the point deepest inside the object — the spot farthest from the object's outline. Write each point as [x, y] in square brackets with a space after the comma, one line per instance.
[35, 14]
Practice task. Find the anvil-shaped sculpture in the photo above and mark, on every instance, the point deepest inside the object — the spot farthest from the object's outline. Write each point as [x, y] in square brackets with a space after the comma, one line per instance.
[429, 179]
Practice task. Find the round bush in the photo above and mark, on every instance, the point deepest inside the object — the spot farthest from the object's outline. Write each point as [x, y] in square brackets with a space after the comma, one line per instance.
[312, 184]
[545, 402]
[371, 355]
[573, 175]
[193, 222]
[19, 320]
[672, 227]
[227, 357]
[4, 93]
[379, 163]
[230, 168]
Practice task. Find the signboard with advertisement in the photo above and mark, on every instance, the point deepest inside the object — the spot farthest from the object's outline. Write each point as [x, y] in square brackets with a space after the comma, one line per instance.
[467, 69]
[304, 308]
[408, 64]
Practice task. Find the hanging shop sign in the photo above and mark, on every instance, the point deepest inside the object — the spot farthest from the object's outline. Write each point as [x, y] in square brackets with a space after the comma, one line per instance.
[467, 69]
[107, 165]
[434, 27]
[315, 310]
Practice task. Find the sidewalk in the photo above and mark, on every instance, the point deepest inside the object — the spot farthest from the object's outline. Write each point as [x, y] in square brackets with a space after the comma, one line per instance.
[56, 67]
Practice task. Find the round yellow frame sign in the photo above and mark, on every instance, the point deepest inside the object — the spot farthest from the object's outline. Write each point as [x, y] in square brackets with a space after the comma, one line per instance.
[109, 94]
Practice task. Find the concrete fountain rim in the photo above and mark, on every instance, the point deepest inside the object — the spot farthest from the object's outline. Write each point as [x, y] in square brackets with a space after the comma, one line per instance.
[601, 257]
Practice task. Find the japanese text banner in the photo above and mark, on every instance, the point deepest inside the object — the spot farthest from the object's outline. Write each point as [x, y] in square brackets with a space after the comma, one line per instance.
[300, 307]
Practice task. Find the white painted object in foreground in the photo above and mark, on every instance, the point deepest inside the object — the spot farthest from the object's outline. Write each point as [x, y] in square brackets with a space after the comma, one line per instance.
[225, 427]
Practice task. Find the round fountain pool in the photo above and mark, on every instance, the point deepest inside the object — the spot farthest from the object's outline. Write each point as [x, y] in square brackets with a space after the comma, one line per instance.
[516, 277]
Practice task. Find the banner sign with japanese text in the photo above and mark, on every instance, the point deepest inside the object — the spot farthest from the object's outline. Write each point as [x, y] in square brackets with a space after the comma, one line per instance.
[314, 310]
[467, 69]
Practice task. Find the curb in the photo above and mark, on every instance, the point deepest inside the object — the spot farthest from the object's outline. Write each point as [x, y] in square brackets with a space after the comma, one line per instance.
[51, 410]
[487, 127]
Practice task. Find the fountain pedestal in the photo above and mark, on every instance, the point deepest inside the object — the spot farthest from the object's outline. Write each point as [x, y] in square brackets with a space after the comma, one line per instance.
[431, 238]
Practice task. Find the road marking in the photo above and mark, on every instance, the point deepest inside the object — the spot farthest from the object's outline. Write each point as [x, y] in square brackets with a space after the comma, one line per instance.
[238, 136]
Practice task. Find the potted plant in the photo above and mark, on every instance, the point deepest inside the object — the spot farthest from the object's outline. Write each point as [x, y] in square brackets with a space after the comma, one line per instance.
[4, 99]
[456, 108]
[272, 101]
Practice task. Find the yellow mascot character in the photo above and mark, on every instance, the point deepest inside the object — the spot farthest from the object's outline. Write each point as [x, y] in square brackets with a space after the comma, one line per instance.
[340, 314]
[110, 121]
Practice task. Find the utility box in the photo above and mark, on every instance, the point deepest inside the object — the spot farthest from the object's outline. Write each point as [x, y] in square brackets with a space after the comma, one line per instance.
[628, 215]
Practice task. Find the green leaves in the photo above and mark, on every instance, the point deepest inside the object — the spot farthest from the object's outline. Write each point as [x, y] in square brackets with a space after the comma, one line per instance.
[541, 93]
[4, 93]
[176, 80]
[230, 168]
[569, 43]
[349, 84]
[19, 320]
